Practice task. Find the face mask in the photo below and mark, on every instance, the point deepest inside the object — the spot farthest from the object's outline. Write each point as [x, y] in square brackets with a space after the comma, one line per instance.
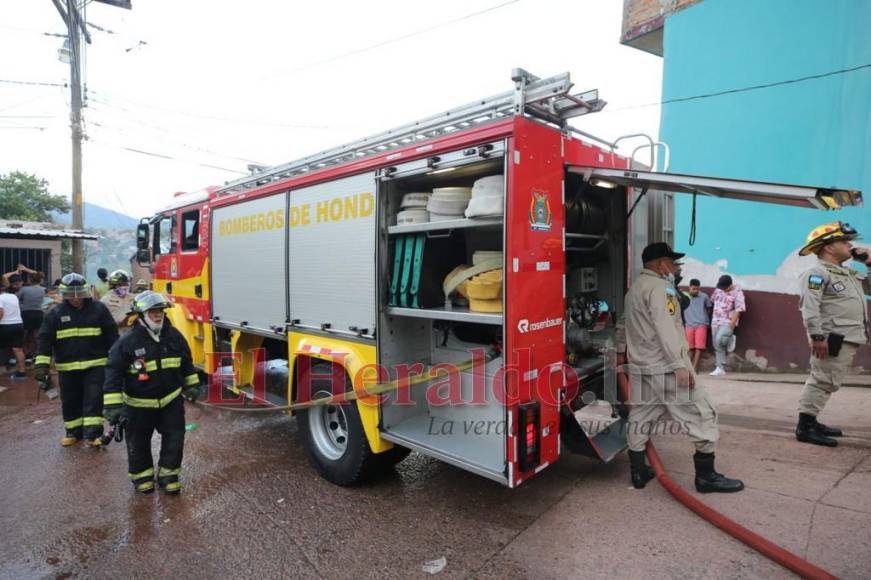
[152, 326]
[121, 291]
[670, 278]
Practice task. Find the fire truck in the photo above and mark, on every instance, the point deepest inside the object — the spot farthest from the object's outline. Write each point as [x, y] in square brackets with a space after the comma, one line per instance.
[494, 234]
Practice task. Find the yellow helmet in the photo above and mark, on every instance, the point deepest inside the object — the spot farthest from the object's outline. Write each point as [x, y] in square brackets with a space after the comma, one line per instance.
[822, 235]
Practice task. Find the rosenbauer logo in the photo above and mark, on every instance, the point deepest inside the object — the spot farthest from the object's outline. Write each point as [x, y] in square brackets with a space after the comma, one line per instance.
[525, 326]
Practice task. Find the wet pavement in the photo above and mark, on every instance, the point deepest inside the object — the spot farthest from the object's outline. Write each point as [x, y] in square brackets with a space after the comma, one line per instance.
[253, 507]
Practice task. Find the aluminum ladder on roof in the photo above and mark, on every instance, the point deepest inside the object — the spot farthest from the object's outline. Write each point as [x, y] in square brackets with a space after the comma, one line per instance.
[547, 99]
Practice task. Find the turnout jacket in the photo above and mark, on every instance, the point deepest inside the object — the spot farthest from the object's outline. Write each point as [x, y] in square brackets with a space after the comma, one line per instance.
[78, 338]
[144, 373]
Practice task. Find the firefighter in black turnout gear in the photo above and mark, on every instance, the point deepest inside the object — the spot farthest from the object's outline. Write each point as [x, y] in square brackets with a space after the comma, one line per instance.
[149, 370]
[78, 334]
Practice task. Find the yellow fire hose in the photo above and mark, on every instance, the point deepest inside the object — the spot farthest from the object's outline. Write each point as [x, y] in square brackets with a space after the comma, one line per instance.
[353, 395]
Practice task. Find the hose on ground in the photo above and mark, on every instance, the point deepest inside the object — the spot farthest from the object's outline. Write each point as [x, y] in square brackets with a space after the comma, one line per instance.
[765, 547]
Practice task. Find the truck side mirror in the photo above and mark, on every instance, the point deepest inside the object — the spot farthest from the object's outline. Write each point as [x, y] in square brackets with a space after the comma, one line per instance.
[142, 237]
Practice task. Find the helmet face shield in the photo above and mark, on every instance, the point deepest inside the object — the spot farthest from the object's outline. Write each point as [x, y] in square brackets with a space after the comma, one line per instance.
[150, 300]
[74, 286]
[68, 292]
[119, 278]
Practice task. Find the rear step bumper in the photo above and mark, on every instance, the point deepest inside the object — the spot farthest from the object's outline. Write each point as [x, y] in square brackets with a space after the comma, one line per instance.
[604, 445]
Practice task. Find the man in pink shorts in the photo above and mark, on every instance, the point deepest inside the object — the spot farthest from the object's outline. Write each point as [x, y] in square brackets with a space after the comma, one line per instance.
[696, 321]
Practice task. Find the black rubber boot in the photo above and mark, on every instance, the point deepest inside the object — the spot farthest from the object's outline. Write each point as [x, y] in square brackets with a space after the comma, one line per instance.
[808, 431]
[641, 472]
[707, 478]
[828, 431]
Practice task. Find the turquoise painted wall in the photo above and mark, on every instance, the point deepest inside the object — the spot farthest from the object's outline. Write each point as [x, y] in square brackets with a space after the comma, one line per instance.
[816, 132]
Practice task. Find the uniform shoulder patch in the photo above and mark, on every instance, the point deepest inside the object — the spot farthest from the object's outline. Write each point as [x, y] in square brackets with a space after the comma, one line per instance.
[815, 281]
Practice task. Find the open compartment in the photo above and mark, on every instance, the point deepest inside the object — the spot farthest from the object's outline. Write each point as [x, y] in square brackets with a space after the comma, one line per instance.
[595, 269]
[460, 419]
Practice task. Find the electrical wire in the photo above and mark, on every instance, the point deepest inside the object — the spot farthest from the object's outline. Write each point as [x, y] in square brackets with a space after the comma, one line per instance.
[391, 40]
[33, 83]
[164, 156]
[176, 142]
[101, 98]
[742, 89]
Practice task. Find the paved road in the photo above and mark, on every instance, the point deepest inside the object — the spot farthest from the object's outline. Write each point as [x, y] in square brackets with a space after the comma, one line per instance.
[252, 506]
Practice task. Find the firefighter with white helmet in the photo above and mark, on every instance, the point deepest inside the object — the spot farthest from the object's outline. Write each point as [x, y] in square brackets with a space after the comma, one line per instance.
[78, 334]
[119, 300]
[836, 319]
[149, 369]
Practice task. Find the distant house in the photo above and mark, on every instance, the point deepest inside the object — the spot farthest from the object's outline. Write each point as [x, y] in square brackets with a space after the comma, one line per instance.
[37, 245]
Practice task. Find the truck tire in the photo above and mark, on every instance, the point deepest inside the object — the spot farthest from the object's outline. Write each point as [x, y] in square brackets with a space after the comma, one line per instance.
[333, 436]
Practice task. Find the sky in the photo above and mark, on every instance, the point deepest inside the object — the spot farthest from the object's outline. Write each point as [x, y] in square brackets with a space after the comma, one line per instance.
[182, 95]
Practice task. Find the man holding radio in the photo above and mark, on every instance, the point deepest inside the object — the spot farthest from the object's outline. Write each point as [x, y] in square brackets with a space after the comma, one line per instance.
[836, 319]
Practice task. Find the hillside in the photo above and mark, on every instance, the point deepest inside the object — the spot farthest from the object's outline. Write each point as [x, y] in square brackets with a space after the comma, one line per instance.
[98, 217]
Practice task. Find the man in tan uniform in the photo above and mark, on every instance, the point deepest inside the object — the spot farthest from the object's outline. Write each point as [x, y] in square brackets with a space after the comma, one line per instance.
[836, 319]
[119, 300]
[662, 374]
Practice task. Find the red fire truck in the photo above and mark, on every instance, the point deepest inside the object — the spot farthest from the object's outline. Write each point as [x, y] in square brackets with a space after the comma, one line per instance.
[494, 233]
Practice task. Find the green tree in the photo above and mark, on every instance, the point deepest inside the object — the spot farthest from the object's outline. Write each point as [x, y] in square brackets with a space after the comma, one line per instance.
[25, 197]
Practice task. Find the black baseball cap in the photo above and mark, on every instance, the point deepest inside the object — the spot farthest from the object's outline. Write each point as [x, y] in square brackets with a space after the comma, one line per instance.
[659, 250]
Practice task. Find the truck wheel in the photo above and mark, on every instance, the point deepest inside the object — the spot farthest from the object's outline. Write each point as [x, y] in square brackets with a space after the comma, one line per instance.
[333, 435]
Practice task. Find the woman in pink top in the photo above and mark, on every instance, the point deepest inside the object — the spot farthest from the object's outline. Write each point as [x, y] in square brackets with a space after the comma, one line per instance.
[728, 305]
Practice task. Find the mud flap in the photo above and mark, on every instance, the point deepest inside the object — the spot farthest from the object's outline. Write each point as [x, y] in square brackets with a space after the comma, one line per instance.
[604, 445]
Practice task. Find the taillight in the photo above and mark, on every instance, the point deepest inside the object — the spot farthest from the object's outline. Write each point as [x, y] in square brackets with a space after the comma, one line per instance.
[529, 436]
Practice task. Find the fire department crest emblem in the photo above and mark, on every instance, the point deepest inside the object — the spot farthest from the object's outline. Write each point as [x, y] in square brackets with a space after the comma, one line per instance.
[540, 216]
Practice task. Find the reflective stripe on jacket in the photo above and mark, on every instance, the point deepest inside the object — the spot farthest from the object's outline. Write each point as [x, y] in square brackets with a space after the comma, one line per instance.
[77, 338]
[144, 373]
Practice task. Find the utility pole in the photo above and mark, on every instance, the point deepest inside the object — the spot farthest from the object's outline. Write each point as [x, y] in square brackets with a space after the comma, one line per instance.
[76, 126]
[75, 30]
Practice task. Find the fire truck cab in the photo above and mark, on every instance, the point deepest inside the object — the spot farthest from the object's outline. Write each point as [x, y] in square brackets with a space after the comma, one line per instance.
[476, 332]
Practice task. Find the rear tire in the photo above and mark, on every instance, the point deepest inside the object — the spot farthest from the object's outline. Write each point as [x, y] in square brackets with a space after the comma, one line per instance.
[333, 435]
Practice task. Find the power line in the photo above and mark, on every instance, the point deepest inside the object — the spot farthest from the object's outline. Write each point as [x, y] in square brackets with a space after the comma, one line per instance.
[744, 89]
[393, 40]
[164, 156]
[33, 83]
[101, 98]
[177, 142]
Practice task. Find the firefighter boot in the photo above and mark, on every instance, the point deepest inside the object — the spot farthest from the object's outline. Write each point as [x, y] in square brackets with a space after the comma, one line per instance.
[640, 471]
[707, 478]
[808, 431]
[69, 439]
[144, 486]
[828, 431]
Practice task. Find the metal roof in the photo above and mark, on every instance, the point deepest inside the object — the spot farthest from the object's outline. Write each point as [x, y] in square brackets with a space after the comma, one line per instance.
[7, 231]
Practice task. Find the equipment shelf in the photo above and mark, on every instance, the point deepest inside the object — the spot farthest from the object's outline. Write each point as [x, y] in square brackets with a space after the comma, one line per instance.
[456, 313]
[483, 222]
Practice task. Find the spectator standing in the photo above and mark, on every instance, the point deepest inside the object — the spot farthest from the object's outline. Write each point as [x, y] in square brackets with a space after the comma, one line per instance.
[696, 321]
[12, 329]
[31, 296]
[728, 306]
[101, 287]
